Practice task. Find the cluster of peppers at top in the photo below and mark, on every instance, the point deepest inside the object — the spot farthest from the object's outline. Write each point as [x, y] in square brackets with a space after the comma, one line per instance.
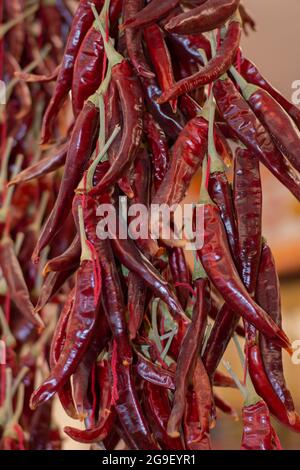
[157, 93]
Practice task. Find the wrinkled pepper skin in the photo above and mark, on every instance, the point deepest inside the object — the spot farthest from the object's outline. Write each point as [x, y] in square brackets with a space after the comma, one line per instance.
[258, 433]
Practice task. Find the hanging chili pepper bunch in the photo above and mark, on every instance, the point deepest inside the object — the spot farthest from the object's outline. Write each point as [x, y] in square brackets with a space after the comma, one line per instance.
[131, 100]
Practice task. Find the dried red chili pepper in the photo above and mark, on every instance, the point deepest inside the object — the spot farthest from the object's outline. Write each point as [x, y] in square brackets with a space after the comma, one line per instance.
[130, 95]
[187, 156]
[216, 67]
[251, 73]
[239, 116]
[159, 148]
[208, 16]
[158, 409]
[134, 39]
[154, 373]
[180, 274]
[42, 167]
[14, 278]
[52, 284]
[82, 21]
[80, 149]
[186, 362]
[268, 296]
[219, 266]
[150, 13]
[161, 60]
[279, 124]
[68, 259]
[195, 439]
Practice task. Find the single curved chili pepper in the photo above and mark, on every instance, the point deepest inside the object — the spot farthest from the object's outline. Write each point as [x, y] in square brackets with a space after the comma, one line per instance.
[251, 73]
[181, 274]
[35, 78]
[217, 262]
[248, 209]
[16, 35]
[136, 303]
[204, 396]
[52, 25]
[239, 116]
[161, 60]
[52, 284]
[48, 164]
[258, 433]
[68, 259]
[171, 123]
[187, 156]
[79, 151]
[188, 353]
[188, 46]
[106, 420]
[279, 124]
[158, 409]
[14, 278]
[130, 95]
[87, 68]
[208, 16]
[216, 67]
[78, 335]
[263, 387]
[127, 405]
[154, 373]
[82, 21]
[225, 407]
[151, 13]
[134, 39]
[159, 148]
[268, 296]
[194, 438]
[81, 376]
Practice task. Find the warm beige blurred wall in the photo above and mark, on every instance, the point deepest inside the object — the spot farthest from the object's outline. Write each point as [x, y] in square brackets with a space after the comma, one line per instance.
[275, 46]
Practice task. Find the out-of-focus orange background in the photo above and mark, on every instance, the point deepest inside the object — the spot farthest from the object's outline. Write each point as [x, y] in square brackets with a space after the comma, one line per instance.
[274, 48]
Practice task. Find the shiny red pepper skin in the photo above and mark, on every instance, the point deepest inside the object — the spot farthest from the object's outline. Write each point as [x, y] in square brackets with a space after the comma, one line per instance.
[78, 335]
[151, 13]
[189, 351]
[159, 149]
[250, 72]
[258, 433]
[82, 21]
[130, 95]
[281, 127]
[242, 120]
[208, 16]
[219, 266]
[80, 149]
[158, 409]
[216, 67]
[134, 39]
[43, 167]
[87, 69]
[161, 59]
[268, 296]
[187, 156]
[16, 35]
[188, 46]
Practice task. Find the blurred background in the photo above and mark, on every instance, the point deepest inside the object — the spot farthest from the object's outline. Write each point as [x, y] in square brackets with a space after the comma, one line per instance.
[274, 49]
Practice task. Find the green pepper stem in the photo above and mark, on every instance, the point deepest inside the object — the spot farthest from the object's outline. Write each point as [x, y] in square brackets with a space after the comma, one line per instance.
[213, 44]
[247, 88]
[206, 337]
[203, 56]
[204, 197]
[19, 379]
[114, 58]
[216, 164]
[19, 242]
[231, 372]
[85, 251]
[169, 342]
[6, 332]
[199, 271]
